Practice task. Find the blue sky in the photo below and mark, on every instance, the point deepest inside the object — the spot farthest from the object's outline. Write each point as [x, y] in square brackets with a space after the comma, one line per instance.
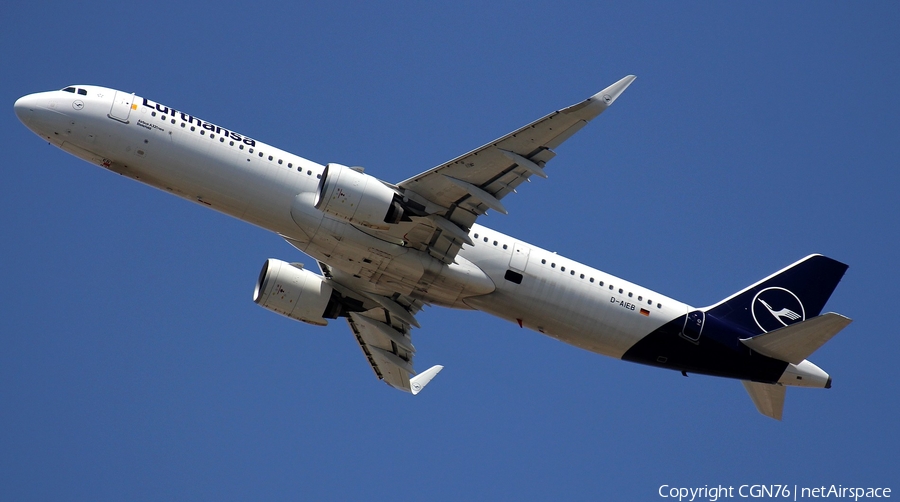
[134, 365]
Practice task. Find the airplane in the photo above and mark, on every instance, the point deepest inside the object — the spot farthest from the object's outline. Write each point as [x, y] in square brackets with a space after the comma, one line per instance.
[385, 250]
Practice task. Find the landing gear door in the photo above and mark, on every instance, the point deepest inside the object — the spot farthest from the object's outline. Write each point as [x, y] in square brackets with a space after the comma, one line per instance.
[693, 326]
[121, 106]
[519, 257]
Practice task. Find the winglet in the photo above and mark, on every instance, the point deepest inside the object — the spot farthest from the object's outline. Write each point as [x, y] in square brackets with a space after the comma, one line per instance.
[608, 95]
[418, 382]
[596, 104]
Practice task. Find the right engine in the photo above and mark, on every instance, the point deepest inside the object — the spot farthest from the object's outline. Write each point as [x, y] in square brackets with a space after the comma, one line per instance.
[296, 293]
[358, 198]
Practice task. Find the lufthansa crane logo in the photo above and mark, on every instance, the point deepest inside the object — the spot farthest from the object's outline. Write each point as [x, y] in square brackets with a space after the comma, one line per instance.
[775, 308]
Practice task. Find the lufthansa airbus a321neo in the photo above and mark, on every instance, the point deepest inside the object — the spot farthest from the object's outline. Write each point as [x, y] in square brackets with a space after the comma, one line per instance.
[385, 250]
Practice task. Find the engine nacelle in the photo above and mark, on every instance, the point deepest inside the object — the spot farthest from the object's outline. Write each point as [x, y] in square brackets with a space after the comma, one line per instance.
[358, 198]
[296, 293]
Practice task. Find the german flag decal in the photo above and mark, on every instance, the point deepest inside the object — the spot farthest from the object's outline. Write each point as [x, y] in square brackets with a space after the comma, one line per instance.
[645, 312]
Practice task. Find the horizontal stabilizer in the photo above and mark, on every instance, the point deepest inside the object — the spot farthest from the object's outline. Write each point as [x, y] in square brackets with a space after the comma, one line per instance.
[768, 398]
[418, 382]
[796, 342]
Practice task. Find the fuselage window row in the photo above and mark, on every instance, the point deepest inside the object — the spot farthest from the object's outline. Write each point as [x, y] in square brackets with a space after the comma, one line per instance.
[183, 125]
[600, 284]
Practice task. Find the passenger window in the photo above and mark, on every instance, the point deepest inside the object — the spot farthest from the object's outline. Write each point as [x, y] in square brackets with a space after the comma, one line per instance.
[495, 243]
[260, 154]
[610, 287]
[192, 128]
[173, 121]
[659, 305]
[280, 161]
[152, 114]
[309, 173]
[640, 298]
[290, 165]
[485, 239]
[231, 143]
[600, 284]
[270, 157]
[163, 118]
[202, 133]
[318, 176]
[504, 246]
[182, 125]
[582, 276]
[630, 294]
[240, 147]
[222, 139]
[592, 279]
[543, 262]
[620, 291]
[251, 150]
[573, 273]
[563, 269]
[552, 265]
[476, 236]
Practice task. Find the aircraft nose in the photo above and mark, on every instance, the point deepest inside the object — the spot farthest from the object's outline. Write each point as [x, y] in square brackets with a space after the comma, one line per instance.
[25, 108]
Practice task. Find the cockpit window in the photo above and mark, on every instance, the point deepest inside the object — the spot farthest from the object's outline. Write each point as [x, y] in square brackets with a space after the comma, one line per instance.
[83, 92]
[69, 89]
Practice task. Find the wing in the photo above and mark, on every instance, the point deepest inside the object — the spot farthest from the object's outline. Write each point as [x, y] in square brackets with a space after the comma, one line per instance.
[455, 193]
[383, 332]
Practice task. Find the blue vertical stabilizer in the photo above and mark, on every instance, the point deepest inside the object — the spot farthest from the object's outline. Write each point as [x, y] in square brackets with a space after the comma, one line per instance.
[792, 295]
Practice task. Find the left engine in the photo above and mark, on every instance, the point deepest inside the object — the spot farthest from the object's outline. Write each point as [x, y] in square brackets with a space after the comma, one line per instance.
[296, 293]
[358, 198]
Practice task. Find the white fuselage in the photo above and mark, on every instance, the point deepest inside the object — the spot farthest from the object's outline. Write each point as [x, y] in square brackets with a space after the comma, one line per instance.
[274, 189]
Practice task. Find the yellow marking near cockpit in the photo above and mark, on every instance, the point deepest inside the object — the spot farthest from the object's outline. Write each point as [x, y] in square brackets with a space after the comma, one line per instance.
[134, 106]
